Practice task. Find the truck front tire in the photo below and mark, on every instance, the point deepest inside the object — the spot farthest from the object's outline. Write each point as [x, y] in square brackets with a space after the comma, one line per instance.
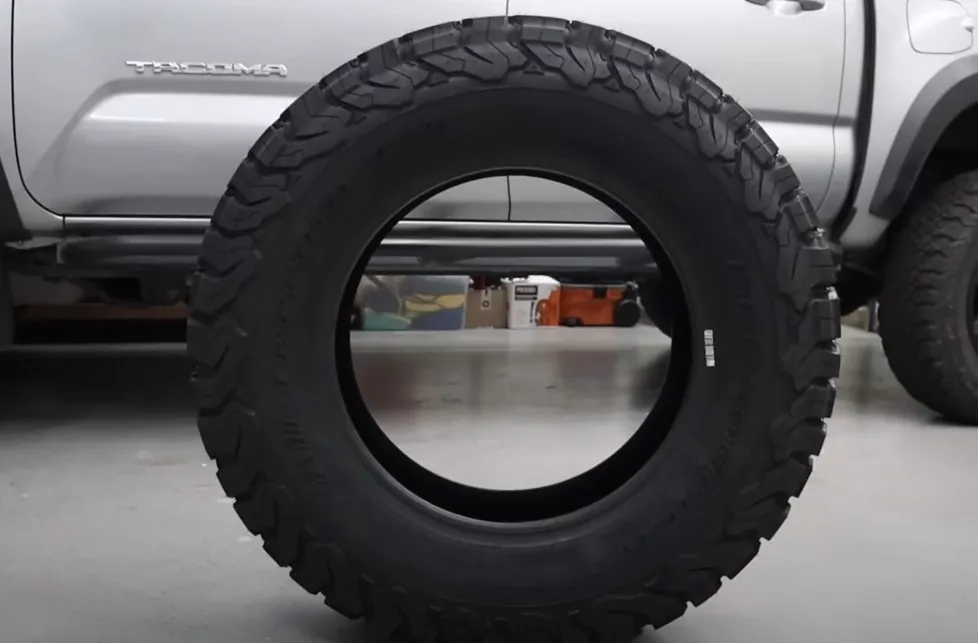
[929, 303]
[628, 544]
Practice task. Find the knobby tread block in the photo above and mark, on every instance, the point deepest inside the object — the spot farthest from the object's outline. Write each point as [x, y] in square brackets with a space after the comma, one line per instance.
[390, 77]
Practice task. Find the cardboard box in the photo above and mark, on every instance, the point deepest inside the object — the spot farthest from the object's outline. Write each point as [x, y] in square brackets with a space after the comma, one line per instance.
[486, 308]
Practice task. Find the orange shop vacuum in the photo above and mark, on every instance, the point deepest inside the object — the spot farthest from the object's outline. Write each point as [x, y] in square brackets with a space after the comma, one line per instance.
[599, 305]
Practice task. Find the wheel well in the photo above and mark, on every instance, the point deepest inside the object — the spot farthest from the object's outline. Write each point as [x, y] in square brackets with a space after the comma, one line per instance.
[943, 108]
[955, 151]
[938, 140]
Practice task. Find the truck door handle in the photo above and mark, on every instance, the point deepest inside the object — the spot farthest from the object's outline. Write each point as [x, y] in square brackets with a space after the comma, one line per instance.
[789, 7]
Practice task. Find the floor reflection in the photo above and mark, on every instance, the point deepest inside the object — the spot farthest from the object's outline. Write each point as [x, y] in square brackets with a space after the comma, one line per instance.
[511, 410]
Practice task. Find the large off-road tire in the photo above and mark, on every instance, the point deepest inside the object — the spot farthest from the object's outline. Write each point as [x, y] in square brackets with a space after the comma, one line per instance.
[630, 543]
[929, 304]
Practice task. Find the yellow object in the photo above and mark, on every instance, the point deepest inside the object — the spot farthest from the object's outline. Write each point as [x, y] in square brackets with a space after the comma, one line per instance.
[417, 304]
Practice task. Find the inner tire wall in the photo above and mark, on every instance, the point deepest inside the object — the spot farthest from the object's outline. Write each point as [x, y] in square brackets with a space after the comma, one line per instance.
[308, 201]
[658, 303]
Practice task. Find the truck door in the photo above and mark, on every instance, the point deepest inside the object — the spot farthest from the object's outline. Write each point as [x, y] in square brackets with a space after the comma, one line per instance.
[782, 59]
[138, 108]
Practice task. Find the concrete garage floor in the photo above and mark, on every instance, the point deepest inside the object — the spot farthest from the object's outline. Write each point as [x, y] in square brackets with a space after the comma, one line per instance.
[113, 528]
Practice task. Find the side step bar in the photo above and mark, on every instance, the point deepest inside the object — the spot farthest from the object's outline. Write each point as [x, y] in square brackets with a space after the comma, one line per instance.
[414, 246]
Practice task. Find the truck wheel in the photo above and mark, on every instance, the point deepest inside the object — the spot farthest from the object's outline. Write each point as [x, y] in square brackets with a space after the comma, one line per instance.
[629, 543]
[929, 303]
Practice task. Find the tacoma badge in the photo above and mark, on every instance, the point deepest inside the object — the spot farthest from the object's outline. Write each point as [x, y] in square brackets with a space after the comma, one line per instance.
[208, 69]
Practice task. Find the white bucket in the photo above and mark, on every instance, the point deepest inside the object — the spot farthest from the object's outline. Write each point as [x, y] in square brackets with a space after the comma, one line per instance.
[527, 299]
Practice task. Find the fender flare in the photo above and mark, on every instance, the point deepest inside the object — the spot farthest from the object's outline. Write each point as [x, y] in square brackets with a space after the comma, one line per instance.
[11, 227]
[945, 97]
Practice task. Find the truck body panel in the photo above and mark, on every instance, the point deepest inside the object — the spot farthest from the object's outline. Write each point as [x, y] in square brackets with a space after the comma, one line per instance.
[846, 91]
[908, 85]
[746, 48]
[97, 136]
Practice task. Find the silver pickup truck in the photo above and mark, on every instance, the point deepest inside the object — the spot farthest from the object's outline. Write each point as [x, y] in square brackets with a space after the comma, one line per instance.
[120, 125]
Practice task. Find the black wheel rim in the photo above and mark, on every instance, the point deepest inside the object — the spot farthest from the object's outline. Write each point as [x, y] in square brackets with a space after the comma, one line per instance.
[540, 503]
